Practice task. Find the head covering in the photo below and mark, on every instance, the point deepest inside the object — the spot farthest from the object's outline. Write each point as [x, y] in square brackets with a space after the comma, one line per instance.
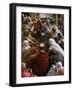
[23, 65]
[51, 41]
[52, 67]
[55, 46]
[42, 45]
[48, 21]
[25, 43]
[42, 34]
[54, 28]
[25, 47]
[58, 65]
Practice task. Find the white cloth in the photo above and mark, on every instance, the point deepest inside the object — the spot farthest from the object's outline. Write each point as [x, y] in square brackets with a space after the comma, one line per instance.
[59, 68]
[56, 52]
[55, 46]
[58, 65]
[52, 71]
[25, 48]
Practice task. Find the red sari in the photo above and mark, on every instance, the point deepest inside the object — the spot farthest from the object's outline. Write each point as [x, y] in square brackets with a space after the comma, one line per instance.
[41, 63]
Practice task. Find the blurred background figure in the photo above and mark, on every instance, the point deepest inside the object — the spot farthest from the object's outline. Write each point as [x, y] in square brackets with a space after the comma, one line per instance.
[45, 31]
[60, 68]
[56, 34]
[26, 51]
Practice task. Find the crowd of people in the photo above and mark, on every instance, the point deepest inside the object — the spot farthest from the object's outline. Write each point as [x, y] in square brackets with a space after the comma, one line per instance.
[42, 47]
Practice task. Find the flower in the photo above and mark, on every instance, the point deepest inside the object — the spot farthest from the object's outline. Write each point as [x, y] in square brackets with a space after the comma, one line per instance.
[26, 73]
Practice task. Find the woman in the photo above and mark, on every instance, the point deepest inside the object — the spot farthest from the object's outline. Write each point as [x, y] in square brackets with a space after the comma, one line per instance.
[56, 53]
[40, 65]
